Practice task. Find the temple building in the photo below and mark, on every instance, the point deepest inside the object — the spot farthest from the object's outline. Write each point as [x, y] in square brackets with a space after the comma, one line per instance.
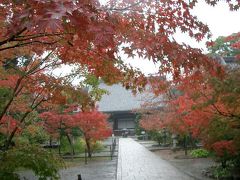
[120, 104]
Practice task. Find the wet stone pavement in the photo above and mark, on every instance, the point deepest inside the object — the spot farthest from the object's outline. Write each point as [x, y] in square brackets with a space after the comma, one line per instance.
[135, 162]
[94, 170]
[102, 170]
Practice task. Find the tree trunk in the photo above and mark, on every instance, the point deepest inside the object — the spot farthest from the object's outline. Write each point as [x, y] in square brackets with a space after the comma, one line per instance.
[50, 142]
[224, 163]
[185, 145]
[88, 148]
[59, 147]
[70, 143]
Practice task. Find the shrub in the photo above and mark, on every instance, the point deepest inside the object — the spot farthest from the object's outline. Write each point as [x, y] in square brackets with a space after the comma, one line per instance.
[220, 172]
[35, 134]
[42, 162]
[97, 146]
[79, 145]
[199, 153]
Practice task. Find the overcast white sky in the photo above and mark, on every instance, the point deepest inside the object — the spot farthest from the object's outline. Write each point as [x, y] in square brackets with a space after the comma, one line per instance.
[221, 21]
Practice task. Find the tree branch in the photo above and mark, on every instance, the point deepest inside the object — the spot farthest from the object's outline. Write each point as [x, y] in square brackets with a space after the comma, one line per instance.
[125, 8]
[215, 107]
[16, 91]
[9, 139]
[28, 43]
[12, 37]
[34, 36]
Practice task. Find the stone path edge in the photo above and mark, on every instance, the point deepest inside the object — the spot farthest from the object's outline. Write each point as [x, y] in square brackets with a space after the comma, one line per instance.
[118, 169]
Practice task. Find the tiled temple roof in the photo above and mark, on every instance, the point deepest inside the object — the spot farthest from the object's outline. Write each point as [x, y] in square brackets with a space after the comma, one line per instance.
[119, 99]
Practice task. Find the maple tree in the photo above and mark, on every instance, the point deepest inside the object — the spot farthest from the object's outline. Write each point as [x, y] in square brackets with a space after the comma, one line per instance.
[78, 112]
[57, 125]
[206, 108]
[27, 88]
[94, 126]
[203, 104]
[57, 117]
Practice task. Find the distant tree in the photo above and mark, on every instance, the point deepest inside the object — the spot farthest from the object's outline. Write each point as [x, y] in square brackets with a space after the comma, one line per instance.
[94, 126]
[207, 109]
[226, 46]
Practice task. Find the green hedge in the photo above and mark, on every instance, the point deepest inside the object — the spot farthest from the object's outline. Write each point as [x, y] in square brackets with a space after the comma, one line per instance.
[199, 153]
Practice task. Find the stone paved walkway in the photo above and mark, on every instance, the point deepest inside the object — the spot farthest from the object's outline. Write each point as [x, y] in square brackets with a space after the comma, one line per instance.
[135, 162]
